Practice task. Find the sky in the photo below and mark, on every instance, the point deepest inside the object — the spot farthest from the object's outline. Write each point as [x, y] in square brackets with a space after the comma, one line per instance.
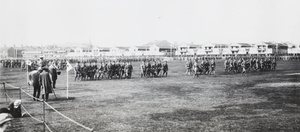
[137, 22]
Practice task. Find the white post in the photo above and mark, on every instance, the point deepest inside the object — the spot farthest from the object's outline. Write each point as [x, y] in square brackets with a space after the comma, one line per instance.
[27, 69]
[67, 84]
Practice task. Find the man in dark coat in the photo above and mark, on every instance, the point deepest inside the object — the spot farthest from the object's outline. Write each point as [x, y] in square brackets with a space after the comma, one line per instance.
[45, 82]
[165, 68]
[34, 77]
[53, 73]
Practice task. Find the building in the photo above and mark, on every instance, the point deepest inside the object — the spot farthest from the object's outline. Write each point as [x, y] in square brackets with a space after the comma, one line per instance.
[14, 52]
[119, 51]
[139, 50]
[3, 52]
[161, 48]
[187, 49]
[293, 49]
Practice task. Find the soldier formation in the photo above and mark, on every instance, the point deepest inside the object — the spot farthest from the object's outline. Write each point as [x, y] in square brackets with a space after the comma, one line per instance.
[204, 66]
[243, 65]
[154, 69]
[107, 70]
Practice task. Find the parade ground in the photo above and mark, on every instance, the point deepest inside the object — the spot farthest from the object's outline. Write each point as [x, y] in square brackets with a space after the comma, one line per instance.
[259, 101]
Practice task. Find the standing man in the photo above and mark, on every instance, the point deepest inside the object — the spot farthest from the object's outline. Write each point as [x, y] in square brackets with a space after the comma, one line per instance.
[42, 63]
[213, 66]
[143, 69]
[77, 70]
[45, 82]
[34, 77]
[53, 73]
[165, 69]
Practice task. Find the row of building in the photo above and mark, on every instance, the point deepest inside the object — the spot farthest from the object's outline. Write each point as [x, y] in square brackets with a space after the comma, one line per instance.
[156, 48]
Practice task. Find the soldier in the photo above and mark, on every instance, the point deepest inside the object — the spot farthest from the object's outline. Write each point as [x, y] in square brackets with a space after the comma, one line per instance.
[159, 67]
[274, 64]
[130, 68]
[153, 69]
[188, 67]
[243, 67]
[99, 71]
[148, 68]
[206, 66]
[226, 65]
[77, 70]
[117, 69]
[196, 68]
[122, 70]
[165, 69]
[143, 69]
[213, 66]
[109, 70]
[84, 71]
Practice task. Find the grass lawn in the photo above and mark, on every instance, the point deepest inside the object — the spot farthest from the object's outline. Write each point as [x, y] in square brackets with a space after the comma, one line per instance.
[260, 101]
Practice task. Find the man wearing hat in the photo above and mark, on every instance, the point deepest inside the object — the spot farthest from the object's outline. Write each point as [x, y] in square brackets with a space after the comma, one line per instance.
[41, 62]
[53, 73]
[34, 81]
[45, 82]
[5, 120]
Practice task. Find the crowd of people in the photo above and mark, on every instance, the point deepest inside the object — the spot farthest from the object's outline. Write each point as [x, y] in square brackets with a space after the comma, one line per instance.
[204, 66]
[107, 69]
[243, 65]
[33, 64]
[156, 69]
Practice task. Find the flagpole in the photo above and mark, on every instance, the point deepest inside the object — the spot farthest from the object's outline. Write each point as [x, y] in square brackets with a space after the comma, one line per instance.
[67, 84]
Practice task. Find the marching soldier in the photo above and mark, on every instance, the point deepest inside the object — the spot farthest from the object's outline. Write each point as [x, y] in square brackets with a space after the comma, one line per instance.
[128, 70]
[159, 67]
[243, 68]
[109, 70]
[274, 64]
[165, 69]
[143, 69]
[153, 69]
[213, 66]
[188, 67]
[77, 70]
[84, 71]
[122, 69]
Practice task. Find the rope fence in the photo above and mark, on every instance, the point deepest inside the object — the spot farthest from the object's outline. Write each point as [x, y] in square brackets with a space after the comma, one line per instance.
[44, 103]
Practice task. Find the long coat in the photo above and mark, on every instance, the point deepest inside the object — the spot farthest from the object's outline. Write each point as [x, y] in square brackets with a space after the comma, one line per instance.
[53, 72]
[34, 77]
[45, 81]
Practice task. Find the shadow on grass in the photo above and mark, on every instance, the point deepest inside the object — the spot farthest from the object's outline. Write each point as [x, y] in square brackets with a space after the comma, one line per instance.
[60, 98]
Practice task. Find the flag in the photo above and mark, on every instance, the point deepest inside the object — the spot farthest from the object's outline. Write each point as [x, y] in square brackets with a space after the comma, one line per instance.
[28, 62]
[69, 67]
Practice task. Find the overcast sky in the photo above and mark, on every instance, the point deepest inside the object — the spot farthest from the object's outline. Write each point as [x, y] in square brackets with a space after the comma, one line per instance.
[136, 22]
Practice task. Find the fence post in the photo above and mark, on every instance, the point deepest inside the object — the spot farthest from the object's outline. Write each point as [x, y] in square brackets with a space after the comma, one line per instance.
[5, 92]
[44, 115]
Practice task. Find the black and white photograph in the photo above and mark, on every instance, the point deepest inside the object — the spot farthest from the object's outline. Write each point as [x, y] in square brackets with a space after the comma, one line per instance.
[149, 65]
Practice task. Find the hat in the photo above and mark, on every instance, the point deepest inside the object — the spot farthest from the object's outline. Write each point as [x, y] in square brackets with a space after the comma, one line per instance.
[17, 103]
[5, 117]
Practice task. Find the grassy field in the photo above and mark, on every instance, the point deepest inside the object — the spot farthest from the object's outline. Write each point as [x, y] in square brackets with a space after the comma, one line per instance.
[260, 101]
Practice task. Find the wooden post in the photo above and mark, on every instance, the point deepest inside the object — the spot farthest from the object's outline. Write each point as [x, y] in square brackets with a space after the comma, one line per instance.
[44, 114]
[5, 91]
